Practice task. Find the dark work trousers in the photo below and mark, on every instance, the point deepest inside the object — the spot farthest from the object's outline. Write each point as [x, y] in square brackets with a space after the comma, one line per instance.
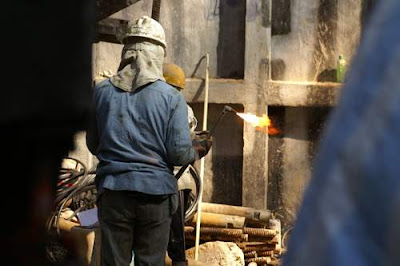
[177, 245]
[133, 221]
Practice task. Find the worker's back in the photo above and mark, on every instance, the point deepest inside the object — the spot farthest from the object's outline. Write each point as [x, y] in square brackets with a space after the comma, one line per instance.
[141, 136]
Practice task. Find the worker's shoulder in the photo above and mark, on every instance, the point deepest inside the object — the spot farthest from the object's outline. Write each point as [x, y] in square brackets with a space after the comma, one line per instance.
[164, 88]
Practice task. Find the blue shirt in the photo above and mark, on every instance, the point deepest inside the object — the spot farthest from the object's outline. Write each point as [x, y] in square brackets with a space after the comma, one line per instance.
[139, 137]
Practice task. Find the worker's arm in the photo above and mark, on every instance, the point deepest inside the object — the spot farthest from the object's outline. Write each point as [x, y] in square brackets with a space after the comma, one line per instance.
[180, 150]
[202, 142]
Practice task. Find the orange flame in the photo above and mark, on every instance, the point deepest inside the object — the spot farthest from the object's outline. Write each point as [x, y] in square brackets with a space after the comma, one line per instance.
[263, 123]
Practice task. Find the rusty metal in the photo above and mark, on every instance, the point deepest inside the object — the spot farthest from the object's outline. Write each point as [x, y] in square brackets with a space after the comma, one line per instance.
[216, 231]
[276, 225]
[275, 261]
[222, 234]
[250, 244]
[267, 240]
[188, 229]
[250, 254]
[253, 243]
[259, 245]
[265, 247]
[260, 232]
[207, 238]
[266, 253]
[242, 245]
[276, 239]
[244, 237]
[220, 220]
[258, 260]
[249, 213]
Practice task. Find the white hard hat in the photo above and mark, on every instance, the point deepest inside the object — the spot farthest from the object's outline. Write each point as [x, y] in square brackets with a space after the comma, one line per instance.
[146, 27]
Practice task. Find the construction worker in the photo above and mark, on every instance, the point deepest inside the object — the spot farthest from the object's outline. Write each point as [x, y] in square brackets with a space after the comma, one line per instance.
[175, 76]
[139, 132]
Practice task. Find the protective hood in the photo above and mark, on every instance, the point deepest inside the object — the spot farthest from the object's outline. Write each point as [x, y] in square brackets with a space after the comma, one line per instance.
[141, 63]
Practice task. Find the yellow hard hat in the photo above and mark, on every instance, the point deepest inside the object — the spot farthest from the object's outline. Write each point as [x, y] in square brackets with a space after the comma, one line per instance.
[174, 75]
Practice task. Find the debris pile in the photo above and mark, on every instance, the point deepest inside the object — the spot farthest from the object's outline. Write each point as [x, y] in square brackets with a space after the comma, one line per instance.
[255, 232]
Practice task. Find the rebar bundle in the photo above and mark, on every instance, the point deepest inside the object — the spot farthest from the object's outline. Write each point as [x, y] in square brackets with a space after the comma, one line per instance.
[261, 245]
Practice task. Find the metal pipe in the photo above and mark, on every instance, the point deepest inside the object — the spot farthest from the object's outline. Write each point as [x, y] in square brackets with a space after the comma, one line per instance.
[248, 212]
[266, 253]
[260, 232]
[227, 108]
[251, 244]
[276, 225]
[224, 111]
[205, 115]
[188, 229]
[250, 254]
[220, 220]
[264, 247]
[211, 132]
[258, 260]
[216, 231]
[209, 238]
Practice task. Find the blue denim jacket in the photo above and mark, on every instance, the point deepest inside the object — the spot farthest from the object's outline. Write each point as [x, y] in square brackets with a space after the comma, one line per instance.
[138, 137]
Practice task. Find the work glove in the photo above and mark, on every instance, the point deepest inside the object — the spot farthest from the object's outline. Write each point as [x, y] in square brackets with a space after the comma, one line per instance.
[201, 135]
[202, 144]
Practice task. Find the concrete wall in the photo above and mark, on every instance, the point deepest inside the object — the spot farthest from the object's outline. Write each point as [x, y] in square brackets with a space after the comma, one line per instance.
[194, 28]
[247, 167]
[320, 31]
[223, 175]
[291, 156]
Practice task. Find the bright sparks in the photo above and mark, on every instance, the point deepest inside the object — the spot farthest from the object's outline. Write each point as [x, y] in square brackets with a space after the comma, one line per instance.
[262, 123]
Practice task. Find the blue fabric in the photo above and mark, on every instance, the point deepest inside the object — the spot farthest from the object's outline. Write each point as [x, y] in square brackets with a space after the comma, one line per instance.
[139, 136]
[350, 213]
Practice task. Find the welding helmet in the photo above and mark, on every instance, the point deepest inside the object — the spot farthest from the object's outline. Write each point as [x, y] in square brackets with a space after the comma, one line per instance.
[174, 75]
[146, 27]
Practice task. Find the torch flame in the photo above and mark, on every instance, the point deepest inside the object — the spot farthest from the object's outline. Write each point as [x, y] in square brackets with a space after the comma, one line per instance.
[263, 123]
